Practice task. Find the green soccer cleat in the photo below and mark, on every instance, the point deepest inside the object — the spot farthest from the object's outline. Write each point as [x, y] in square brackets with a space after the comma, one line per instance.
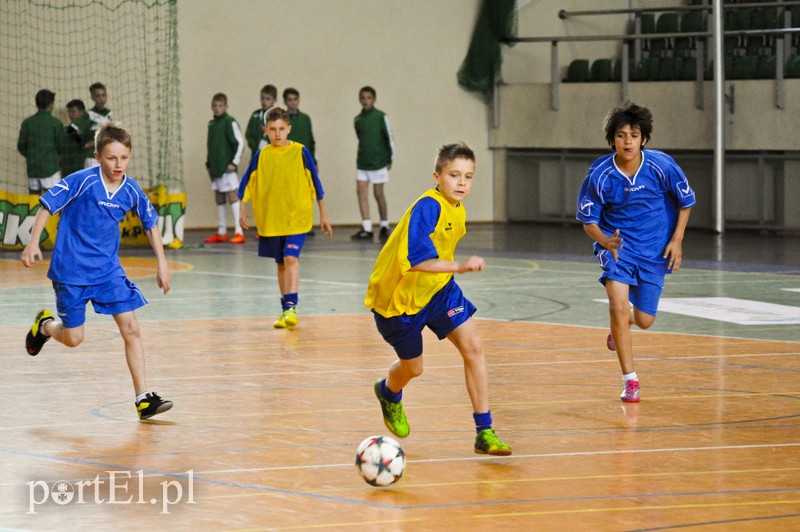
[487, 442]
[151, 405]
[287, 319]
[394, 417]
[35, 338]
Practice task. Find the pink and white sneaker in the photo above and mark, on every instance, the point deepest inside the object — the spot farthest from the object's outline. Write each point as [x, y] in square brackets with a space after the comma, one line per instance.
[630, 394]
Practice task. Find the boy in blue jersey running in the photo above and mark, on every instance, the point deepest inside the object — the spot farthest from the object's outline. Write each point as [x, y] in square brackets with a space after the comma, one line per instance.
[282, 182]
[412, 286]
[635, 204]
[85, 266]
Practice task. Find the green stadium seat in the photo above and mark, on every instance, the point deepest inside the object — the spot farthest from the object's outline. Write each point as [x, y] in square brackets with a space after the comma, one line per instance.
[728, 68]
[689, 72]
[670, 69]
[738, 19]
[647, 69]
[602, 70]
[667, 23]
[767, 67]
[745, 67]
[793, 67]
[764, 19]
[616, 73]
[578, 71]
[648, 23]
[691, 21]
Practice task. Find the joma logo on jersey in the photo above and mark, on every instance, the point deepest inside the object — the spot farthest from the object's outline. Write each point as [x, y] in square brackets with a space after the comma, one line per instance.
[634, 189]
[107, 204]
[449, 226]
[453, 311]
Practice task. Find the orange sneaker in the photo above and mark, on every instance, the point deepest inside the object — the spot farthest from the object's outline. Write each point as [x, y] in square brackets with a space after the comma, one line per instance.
[238, 238]
[216, 239]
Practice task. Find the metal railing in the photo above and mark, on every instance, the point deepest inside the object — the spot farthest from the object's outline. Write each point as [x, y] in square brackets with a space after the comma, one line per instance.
[781, 51]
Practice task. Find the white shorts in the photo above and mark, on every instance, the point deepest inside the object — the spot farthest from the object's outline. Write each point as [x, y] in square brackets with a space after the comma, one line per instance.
[39, 183]
[228, 182]
[373, 176]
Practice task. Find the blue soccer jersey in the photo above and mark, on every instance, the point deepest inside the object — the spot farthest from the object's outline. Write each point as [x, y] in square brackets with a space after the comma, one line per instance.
[644, 207]
[88, 236]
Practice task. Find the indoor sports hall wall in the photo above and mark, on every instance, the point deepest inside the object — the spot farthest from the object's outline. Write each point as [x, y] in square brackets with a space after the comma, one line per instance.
[409, 51]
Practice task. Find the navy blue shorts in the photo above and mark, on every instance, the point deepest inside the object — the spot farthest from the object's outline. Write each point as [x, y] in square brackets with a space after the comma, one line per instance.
[277, 247]
[644, 287]
[443, 314]
[115, 296]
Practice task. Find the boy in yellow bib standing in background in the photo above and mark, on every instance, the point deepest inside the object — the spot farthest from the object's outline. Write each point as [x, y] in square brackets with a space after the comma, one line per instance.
[282, 183]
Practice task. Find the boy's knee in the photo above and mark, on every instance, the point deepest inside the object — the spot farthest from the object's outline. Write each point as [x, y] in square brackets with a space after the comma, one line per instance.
[413, 367]
[129, 330]
[72, 338]
[643, 321]
[619, 309]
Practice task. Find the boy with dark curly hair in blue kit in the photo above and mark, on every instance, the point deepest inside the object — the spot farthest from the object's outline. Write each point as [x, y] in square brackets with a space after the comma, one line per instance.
[635, 204]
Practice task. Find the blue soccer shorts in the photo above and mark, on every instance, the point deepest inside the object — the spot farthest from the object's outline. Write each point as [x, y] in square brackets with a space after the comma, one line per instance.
[644, 287]
[277, 247]
[443, 314]
[112, 297]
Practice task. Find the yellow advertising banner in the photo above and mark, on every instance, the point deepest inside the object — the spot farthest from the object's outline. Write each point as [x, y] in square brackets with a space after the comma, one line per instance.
[18, 211]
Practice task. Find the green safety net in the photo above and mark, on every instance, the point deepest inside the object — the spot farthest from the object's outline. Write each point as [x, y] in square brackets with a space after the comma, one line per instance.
[131, 46]
[481, 67]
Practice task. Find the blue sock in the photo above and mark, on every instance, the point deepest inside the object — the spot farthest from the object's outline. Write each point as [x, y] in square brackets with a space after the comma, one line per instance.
[289, 301]
[389, 395]
[482, 421]
[283, 303]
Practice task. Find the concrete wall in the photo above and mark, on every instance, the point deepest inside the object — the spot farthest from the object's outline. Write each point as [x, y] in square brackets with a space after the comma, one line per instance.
[526, 119]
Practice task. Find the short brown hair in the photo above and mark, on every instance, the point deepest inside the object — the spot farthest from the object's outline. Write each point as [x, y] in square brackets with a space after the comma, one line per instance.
[450, 152]
[220, 97]
[111, 132]
[276, 113]
[272, 90]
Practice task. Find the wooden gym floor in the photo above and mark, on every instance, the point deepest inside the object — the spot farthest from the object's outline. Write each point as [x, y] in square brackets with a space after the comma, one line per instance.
[266, 422]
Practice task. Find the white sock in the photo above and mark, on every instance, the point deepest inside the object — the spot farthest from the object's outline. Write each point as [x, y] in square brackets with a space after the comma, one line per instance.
[385, 223]
[222, 217]
[630, 377]
[367, 225]
[141, 396]
[236, 226]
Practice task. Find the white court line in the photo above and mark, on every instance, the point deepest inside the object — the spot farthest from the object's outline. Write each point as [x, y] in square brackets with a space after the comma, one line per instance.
[515, 456]
[216, 377]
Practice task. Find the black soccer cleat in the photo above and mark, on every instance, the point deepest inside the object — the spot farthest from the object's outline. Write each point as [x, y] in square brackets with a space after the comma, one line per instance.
[35, 338]
[151, 405]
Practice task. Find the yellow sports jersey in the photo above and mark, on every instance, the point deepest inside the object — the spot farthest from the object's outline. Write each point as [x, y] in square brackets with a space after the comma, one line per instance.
[282, 191]
[393, 289]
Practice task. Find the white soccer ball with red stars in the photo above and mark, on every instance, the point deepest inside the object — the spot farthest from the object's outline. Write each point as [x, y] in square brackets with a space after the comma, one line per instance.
[380, 460]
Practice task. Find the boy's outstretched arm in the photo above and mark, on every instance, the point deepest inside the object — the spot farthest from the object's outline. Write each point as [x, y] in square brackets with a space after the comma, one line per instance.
[32, 251]
[323, 218]
[472, 264]
[674, 249]
[163, 275]
[609, 242]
